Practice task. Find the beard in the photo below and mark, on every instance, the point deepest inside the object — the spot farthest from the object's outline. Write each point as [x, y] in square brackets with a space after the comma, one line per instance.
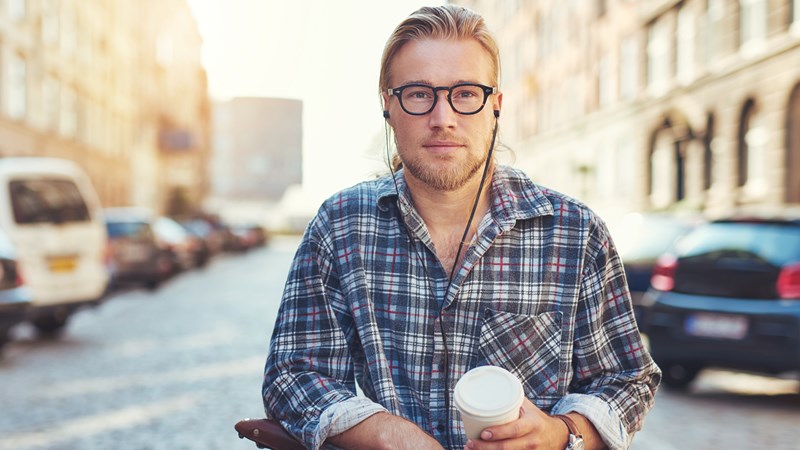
[443, 177]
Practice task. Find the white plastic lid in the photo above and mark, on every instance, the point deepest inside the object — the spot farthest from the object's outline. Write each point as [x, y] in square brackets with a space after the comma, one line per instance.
[488, 391]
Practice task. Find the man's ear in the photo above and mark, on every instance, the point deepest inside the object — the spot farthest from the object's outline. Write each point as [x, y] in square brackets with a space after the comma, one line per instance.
[498, 103]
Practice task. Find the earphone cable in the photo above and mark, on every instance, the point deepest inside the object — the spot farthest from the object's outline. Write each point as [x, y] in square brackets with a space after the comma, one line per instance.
[446, 356]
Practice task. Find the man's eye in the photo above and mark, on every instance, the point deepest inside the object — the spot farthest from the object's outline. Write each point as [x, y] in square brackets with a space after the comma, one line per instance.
[466, 94]
[418, 94]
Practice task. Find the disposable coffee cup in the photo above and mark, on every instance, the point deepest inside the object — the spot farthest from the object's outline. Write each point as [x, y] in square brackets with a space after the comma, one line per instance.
[487, 396]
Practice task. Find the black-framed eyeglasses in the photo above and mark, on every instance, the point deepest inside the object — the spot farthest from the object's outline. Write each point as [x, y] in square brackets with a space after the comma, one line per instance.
[420, 99]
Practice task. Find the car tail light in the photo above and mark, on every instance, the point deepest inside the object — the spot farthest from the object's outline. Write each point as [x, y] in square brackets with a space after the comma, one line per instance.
[788, 285]
[663, 277]
[19, 281]
[108, 254]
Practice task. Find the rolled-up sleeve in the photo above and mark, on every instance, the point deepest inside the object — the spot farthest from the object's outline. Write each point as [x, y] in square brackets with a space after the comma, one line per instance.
[614, 378]
[309, 382]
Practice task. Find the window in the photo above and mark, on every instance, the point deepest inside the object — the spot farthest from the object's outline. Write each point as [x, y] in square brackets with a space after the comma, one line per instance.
[708, 152]
[752, 152]
[50, 22]
[658, 58]
[17, 88]
[713, 32]
[685, 45]
[69, 35]
[792, 180]
[663, 170]
[47, 201]
[629, 68]
[795, 14]
[752, 25]
[743, 151]
[16, 9]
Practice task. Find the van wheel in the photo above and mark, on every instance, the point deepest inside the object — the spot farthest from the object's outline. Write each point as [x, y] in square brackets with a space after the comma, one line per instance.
[679, 376]
[50, 323]
[152, 285]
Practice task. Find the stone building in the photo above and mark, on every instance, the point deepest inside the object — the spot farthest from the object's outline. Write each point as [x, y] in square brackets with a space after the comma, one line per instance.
[101, 82]
[653, 104]
[258, 148]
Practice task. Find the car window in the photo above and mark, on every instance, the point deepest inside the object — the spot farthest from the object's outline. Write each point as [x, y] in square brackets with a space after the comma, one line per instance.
[47, 201]
[137, 230]
[170, 230]
[648, 237]
[775, 243]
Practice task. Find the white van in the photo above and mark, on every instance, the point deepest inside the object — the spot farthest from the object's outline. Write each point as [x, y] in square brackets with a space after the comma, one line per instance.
[52, 214]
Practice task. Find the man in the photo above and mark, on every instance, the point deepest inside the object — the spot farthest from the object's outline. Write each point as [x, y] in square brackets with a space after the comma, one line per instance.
[396, 288]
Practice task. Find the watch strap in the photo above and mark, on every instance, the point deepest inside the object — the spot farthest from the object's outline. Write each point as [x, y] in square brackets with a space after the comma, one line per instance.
[573, 428]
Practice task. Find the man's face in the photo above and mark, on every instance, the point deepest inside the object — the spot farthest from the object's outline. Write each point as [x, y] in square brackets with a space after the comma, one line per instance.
[442, 149]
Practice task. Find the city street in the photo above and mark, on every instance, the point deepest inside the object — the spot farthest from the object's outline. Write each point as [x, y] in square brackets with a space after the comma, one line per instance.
[176, 368]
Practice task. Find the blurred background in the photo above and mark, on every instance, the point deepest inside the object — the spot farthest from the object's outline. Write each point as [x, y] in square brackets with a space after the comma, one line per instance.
[160, 158]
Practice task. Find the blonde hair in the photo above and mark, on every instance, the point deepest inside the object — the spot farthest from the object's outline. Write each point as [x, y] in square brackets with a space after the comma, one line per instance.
[439, 22]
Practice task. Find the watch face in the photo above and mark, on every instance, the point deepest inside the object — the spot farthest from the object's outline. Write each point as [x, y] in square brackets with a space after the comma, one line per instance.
[575, 443]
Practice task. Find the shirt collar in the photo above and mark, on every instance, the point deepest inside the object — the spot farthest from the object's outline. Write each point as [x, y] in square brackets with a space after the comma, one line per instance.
[516, 197]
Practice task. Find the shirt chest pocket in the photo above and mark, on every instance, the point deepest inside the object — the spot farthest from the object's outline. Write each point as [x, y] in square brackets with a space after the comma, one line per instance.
[527, 346]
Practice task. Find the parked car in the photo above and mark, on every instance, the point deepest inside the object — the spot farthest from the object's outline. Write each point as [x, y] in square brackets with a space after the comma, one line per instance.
[14, 296]
[138, 256]
[51, 213]
[248, 236]
[641, 239]
[182, 245]
[211, 237]
[729, 296]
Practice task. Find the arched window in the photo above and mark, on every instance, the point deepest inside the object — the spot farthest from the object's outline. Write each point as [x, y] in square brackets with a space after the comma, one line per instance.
[792, 176]
[708, 152]
[667, 162]
[743, 153]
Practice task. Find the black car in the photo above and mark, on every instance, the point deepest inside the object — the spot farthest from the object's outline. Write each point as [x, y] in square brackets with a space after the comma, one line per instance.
[14, 296]
[728, 297]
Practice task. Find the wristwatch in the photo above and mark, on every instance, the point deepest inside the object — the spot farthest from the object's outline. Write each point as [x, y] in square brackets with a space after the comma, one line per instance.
[575, 438]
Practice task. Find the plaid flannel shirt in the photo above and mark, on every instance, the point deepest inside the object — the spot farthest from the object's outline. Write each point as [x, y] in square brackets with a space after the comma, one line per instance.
[540, 292]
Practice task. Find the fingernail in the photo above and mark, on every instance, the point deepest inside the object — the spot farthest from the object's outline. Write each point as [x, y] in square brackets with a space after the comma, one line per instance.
[470, 444]
[486, 435]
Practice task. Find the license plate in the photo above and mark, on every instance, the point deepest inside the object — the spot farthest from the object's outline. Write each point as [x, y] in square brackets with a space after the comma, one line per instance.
[719, 326]
[62, 264]
[135, 253]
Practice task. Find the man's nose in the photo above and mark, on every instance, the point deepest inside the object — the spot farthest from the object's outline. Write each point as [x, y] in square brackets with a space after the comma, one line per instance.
[443, 115]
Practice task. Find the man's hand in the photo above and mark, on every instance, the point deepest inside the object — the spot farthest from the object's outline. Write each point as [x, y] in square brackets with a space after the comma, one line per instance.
[385, 431]
[535, 430]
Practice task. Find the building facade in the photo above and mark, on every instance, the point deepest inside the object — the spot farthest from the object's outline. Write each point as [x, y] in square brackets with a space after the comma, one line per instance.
[86, 80]
[257, 148]
[642, 105]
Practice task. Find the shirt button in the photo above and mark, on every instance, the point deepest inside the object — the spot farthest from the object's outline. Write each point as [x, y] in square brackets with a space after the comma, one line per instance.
[440, 428]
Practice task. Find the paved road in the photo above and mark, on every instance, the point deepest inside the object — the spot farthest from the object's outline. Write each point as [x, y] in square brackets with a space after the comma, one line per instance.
[175, 369]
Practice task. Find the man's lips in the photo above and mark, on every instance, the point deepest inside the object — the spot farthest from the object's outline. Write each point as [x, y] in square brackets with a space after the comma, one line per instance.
[441, 146]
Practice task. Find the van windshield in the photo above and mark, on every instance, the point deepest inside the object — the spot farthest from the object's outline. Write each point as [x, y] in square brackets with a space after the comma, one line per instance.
[47, 201]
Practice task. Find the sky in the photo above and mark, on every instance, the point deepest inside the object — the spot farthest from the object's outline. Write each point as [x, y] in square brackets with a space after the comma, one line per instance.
[325, 53]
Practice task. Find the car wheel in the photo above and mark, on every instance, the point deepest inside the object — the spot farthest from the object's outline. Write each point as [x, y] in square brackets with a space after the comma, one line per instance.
[153, 284]
[679, 376]
[51, 323]
[4, 338]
